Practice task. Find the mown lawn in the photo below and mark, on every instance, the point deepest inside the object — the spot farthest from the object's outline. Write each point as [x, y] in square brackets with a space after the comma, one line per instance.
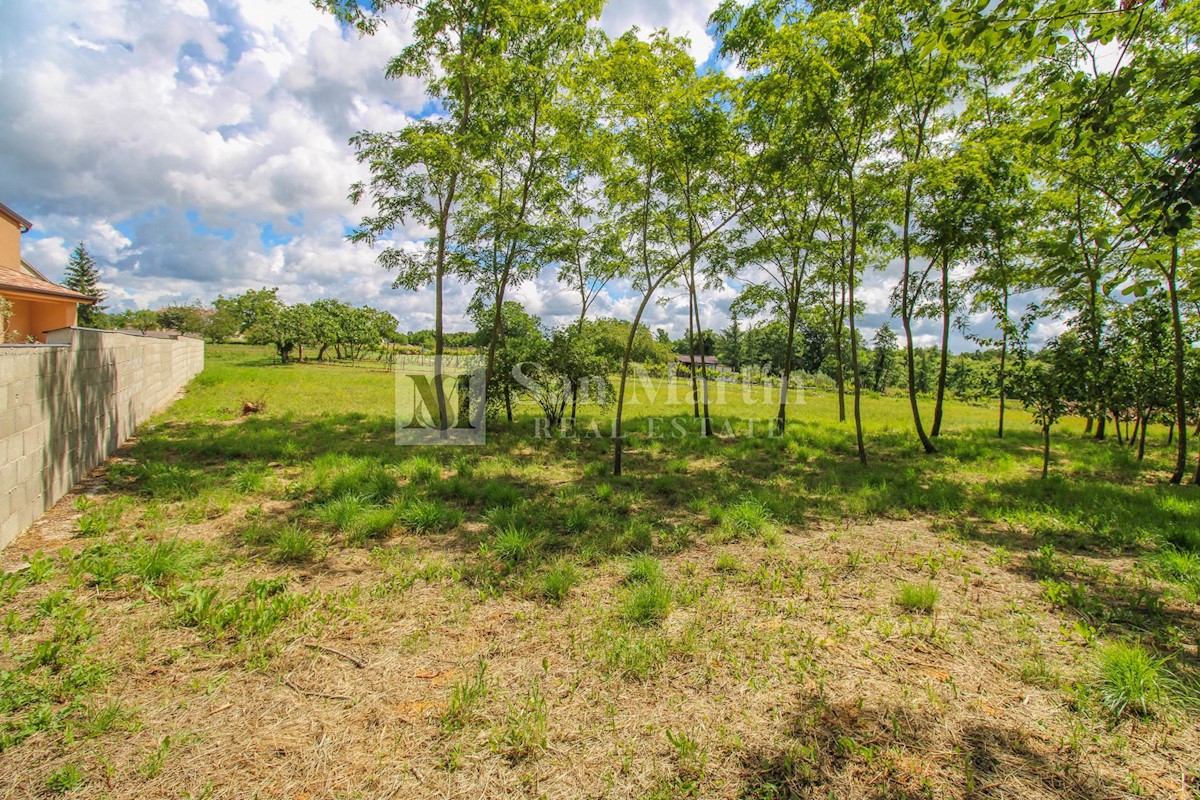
[288, 604]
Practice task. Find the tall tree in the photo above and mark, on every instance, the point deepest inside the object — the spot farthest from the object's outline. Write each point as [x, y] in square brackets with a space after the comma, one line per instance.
[950, 211]
[506, 223]
[417, 174]
[647, 85]
[83, 276]
[923, 85]
[781, 241]
[835, 59]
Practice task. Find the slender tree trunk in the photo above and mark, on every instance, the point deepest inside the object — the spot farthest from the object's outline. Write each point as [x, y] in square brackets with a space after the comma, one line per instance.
[906, 303]
[1117, 425]
[1171, 433]
[494, 339]
[1180, 397]
[841, 362]
[618, 431]
[692, 362]
[1142, 438]
[786, 387]
[695, 306]
[1045, 451]
[1003, 358]
[858, 432]
[944, 362]
[575, 386]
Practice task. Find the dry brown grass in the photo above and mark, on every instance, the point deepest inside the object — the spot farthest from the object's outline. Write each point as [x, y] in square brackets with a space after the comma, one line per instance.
[790, 668]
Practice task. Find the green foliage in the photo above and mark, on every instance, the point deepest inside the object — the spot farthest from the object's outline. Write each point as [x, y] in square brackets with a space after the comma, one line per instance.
[557, 582]
[165, 560]
[465, 697]
[423, 516]
[1130, 680]
[64, 779]
[294, 545]
[644, 569]
[646, 603]
[921, 597]
[515, 545]
[748, 518]
[83, 276]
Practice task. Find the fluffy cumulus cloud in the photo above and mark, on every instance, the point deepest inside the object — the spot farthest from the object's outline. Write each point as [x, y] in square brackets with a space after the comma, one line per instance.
[197, 147]
[201, 147]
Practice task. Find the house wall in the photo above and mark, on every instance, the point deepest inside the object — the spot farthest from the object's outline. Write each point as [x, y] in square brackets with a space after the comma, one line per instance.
[10, 244]
[35, 317]
[18, 324]
[67, 406]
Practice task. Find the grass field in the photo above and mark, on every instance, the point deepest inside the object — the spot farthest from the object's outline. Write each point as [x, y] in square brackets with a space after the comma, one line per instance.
[288, 604]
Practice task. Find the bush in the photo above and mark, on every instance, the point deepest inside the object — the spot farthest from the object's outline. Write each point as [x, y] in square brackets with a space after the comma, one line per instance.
[646, 603]
[918, 597]
[644, 569]
[293, 544]
[1129, 679]
[558, 582]
[515, 545]
[748, 518]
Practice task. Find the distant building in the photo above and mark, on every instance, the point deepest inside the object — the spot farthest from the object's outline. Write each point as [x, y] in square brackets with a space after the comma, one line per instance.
[38, 305]
[684, 363]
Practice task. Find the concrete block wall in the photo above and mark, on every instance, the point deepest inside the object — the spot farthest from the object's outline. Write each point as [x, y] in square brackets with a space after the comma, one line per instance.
[69, 404]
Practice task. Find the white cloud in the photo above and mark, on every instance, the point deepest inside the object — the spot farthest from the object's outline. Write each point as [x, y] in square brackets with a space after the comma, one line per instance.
[201, 147]
[680, 17]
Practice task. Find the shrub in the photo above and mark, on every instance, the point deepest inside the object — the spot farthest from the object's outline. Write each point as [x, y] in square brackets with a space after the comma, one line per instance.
[1129, 679]
[646, 603]
[644, 569]
[293, 544]
[558, 582]
[918, 597]
[746, 519]
[515, 545]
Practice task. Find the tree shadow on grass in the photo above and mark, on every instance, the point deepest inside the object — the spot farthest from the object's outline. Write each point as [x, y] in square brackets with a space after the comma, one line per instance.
[807, 474]
[885, 751]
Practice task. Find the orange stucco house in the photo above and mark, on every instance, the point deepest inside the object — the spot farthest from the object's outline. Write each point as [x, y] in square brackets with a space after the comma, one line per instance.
[37, 304]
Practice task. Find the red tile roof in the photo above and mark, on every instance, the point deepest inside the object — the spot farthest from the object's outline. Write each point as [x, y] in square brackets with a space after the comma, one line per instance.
[17, 281]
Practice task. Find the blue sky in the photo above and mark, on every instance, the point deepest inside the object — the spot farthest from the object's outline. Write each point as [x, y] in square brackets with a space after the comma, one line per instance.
[200, 147]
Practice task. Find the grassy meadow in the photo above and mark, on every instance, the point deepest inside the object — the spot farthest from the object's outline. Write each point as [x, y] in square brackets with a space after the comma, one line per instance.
[288, 604]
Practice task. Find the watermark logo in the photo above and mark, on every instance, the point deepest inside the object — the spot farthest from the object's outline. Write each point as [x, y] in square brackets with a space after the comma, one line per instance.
[441, 400]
